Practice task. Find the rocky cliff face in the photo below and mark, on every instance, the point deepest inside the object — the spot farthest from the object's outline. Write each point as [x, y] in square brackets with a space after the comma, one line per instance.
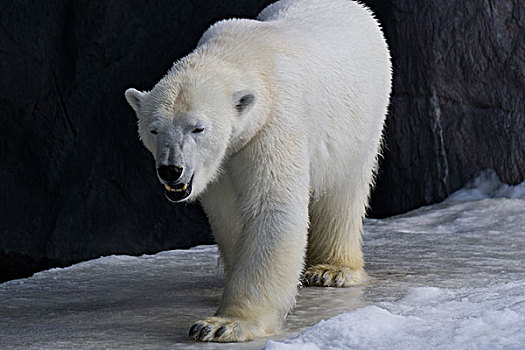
[458, 105]
[77, 183]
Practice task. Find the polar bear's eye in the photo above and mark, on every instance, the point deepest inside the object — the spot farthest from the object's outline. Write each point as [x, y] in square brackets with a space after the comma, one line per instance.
[154, 132]
[198, 130]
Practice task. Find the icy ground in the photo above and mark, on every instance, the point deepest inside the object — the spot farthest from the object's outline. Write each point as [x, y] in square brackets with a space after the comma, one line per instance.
[446, 276]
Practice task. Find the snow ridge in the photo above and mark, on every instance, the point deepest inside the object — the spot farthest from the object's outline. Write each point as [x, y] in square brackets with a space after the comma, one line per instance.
[427, 317]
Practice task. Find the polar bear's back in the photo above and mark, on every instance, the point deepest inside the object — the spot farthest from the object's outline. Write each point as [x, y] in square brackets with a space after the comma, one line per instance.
[332, 32]
[311, 10]
[344, 64]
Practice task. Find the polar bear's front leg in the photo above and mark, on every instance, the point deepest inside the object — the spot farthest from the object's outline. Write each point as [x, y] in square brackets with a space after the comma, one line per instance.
[263, 282]
[269, 252]
[219, 204]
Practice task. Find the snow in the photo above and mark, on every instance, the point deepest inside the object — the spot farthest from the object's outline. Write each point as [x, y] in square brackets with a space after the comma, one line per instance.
[487, 185]
[467, 318]
[446, 276]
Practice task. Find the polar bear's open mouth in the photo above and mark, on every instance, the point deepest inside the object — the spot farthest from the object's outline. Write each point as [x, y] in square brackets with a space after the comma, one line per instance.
[178, 192]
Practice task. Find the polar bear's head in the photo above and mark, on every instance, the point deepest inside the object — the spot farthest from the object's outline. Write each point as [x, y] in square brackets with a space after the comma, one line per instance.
[188, 124]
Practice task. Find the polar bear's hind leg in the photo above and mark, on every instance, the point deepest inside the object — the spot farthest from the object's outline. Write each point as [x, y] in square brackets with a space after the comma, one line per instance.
[334, 255]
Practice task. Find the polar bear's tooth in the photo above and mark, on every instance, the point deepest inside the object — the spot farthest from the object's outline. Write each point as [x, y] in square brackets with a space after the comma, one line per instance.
[167, 187]
[184, 187]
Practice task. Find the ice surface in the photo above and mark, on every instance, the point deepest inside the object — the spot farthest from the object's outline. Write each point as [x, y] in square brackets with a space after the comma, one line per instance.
[451, 275]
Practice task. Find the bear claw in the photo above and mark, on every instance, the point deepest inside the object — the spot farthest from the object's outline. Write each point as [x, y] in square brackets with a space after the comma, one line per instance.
[333, 276]
[193, 330]
[222, 330]
[205, 331]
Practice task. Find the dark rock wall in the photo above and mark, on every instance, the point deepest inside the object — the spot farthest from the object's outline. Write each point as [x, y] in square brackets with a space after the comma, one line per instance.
[77, 183]
[458, 105]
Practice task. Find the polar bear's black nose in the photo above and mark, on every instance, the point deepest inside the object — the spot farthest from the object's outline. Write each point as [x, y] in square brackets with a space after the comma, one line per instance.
[169, 172]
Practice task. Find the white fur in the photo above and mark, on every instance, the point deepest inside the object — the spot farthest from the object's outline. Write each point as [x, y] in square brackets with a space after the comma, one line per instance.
[294, 167]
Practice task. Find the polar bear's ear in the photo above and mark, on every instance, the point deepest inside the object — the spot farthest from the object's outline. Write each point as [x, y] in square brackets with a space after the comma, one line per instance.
[244, 100]
[134, 98]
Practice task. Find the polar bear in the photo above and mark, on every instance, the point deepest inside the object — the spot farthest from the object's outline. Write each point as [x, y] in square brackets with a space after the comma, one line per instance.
[275, 126]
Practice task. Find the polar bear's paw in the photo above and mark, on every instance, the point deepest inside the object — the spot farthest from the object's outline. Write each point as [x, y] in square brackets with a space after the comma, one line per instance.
[223, 330]
[333, 276]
